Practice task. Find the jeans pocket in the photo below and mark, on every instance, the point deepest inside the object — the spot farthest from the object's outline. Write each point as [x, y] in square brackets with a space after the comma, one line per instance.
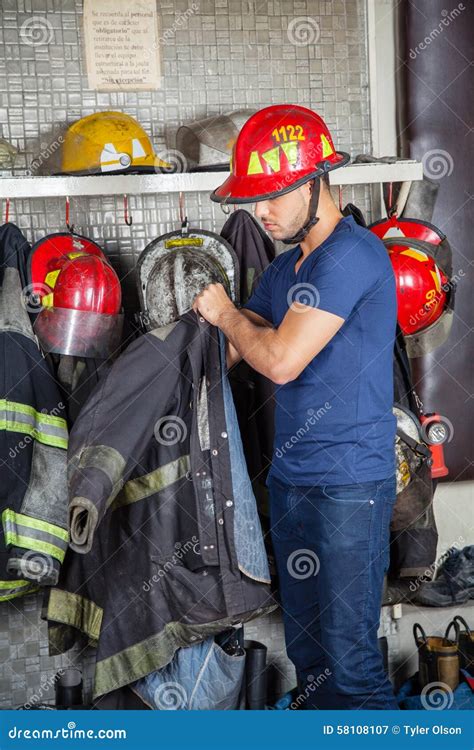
[347, 493]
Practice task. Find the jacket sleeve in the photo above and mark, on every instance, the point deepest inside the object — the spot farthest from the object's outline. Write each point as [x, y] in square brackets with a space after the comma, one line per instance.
[114, 428]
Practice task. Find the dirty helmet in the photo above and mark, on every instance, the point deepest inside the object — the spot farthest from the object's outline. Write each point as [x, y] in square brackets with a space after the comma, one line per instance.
[109, 143]
[174, 268]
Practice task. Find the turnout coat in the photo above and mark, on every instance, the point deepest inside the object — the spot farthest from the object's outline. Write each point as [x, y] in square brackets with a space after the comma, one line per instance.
[166, 545]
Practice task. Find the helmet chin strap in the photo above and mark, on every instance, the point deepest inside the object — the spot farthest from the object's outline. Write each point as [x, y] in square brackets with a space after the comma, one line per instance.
[312, 219]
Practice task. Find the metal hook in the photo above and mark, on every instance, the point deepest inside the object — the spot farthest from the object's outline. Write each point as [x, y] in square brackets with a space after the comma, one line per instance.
[70, 227]
[182, 214]
[225, 208]
[7, 210]
[340, 198]
[128, 219]
[392, 210]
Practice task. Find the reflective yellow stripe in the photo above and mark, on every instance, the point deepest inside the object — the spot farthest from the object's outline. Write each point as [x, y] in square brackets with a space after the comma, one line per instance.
[45, 428]
[35, 523]
[25, 409]
[272, 157]
[155, 481]
[254, 166]
[327, 149]
[35, 544]
[12, 589]
[34, 433]
[290, 150]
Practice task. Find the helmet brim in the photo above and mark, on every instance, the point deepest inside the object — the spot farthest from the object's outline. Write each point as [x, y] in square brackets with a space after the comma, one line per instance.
[234, 188]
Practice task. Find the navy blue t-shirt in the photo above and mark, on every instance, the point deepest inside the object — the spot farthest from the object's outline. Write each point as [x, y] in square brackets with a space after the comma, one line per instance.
[334, 423]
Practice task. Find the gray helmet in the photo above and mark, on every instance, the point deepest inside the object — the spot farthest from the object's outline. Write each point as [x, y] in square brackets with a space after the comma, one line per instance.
[174, 268]
[207, 144]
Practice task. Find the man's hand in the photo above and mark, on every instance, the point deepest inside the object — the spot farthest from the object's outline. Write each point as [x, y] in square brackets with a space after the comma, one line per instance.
[212, 302]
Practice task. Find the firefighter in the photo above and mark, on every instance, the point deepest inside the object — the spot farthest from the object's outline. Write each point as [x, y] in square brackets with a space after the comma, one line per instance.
[321, 326]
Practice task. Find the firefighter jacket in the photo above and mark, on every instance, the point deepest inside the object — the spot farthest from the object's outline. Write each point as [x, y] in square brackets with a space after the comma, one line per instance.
[33, 435]
[166, 544]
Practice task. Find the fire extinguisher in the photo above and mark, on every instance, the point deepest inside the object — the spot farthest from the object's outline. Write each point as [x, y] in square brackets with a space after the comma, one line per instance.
[436, 430]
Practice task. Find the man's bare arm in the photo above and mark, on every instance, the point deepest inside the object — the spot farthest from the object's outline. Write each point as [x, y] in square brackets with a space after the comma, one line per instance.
[282, 353]
[233, 355]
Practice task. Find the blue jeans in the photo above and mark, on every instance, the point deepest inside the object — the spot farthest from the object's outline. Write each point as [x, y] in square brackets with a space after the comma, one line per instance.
[331, 545]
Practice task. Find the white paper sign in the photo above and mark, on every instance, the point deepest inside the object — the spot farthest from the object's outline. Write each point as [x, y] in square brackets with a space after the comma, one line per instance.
[122, 45]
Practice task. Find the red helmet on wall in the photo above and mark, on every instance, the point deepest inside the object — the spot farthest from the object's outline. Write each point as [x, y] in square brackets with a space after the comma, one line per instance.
[278, 149]
[82, 316]
[421, 288]
[50, 254]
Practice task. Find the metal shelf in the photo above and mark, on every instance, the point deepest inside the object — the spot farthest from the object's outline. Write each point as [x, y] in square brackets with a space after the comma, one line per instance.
[46, 187]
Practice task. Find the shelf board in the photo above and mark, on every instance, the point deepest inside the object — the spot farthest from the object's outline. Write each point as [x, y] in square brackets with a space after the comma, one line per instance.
[48, 187]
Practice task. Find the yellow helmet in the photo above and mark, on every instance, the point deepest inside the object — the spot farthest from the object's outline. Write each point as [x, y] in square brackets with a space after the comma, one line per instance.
[109, 142]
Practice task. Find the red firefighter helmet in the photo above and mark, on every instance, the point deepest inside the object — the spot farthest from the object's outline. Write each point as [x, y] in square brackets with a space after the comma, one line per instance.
[49, 255]
[423, 264]
[82, 316]
[421, 288]
[88, 283]
[278, 149]
[414, 228]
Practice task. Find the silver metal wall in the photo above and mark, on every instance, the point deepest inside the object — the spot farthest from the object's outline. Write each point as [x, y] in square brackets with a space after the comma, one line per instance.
[225, 55]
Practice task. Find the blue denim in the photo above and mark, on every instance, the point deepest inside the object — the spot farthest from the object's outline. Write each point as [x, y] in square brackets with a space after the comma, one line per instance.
[198, 678]
[331, 546]
[248, 537]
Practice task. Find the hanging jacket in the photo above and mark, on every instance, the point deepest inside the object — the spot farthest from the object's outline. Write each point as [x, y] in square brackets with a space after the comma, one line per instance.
[33, 435]
[253, 393]
[166, 545]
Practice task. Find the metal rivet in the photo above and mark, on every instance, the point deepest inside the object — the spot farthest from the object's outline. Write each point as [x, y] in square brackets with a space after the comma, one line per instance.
[214, 452]
[198, 474]
[205, 546]
[201, 319]
[223, 434]
[204, 572]
[220, 521]
[371, 502]
[229, 503]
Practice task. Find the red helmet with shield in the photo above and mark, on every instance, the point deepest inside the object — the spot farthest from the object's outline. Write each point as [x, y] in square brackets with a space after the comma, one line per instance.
[82, 316]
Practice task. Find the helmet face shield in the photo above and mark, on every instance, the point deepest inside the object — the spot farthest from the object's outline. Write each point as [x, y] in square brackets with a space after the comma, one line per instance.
[63, 330]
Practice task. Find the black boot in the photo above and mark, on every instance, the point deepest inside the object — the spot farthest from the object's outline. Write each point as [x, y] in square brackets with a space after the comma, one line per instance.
[454, 582]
